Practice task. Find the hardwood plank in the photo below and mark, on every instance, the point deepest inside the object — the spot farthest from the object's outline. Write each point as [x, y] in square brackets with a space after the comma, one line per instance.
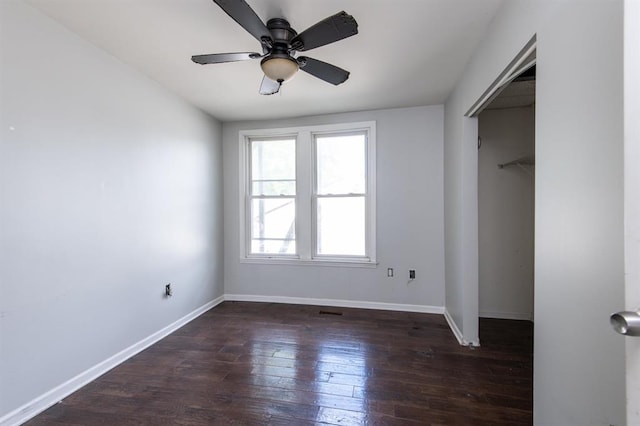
[275, 364]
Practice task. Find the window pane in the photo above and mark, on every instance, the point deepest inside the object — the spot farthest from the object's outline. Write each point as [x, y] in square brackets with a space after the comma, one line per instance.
[273, 247]
[273, 167]
[273, 225]
[341, 164]
[341, 226]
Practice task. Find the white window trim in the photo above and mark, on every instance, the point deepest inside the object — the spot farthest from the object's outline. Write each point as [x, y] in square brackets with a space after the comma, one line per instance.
[304, 176]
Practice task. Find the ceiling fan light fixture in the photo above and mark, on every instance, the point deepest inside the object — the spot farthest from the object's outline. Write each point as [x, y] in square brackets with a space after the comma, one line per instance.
[279, 44]
[279, 68]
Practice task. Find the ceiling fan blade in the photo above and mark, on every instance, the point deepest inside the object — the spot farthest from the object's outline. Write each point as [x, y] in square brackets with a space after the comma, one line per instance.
[269, 87]
[242, 13]
[334, 28]
[322, 70]
[219, 58]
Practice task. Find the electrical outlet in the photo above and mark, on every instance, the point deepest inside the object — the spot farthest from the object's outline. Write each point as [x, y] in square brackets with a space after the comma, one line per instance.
[167, 290]
[412, 274]
[389, 272]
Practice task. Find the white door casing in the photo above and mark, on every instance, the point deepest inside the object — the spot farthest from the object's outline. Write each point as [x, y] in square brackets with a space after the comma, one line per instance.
[632, 198]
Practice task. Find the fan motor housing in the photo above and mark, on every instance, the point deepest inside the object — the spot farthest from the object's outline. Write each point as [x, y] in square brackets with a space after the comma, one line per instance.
[281, 31]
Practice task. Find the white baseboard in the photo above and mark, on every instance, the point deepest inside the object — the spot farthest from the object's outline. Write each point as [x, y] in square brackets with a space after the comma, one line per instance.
[454, 327]
[46, 400]
[426, 309]
[456, 331]
[507, 315]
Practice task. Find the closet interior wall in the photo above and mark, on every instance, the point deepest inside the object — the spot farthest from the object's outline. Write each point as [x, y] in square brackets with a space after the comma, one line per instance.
[506, 177]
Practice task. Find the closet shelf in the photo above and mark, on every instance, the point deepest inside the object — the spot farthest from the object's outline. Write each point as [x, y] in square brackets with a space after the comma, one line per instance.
[524, 161]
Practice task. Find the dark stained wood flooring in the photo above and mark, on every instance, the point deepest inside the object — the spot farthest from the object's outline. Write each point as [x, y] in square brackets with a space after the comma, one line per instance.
[275, 364]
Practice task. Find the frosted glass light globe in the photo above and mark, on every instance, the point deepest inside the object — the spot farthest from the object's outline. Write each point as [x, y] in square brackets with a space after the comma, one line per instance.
[279, 69]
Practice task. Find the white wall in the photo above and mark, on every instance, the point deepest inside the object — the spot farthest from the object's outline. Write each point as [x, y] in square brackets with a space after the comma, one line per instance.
[110, 187]
[505, 213]
[461, 223]
[409, 218]
[578, 361]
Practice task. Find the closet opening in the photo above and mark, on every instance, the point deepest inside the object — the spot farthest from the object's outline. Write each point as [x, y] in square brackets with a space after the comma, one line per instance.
[506, 208]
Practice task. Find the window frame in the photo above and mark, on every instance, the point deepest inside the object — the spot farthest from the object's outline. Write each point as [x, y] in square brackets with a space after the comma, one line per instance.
[306, 220]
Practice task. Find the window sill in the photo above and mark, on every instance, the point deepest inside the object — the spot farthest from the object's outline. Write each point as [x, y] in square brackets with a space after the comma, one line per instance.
[335, 263]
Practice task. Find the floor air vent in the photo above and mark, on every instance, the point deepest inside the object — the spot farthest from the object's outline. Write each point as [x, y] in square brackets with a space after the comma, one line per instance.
[330, 313]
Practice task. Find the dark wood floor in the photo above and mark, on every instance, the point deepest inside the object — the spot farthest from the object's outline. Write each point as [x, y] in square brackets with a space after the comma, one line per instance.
[274, 364]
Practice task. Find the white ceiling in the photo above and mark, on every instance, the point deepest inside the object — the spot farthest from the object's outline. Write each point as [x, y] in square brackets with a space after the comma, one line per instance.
[407, 52]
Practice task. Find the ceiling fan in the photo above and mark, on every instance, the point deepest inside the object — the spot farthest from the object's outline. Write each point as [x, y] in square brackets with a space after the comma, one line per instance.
[280, 43]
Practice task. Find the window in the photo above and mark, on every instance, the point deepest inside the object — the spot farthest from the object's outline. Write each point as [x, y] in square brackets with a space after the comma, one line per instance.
[272, 195]
[308, 195]
[340, 194]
